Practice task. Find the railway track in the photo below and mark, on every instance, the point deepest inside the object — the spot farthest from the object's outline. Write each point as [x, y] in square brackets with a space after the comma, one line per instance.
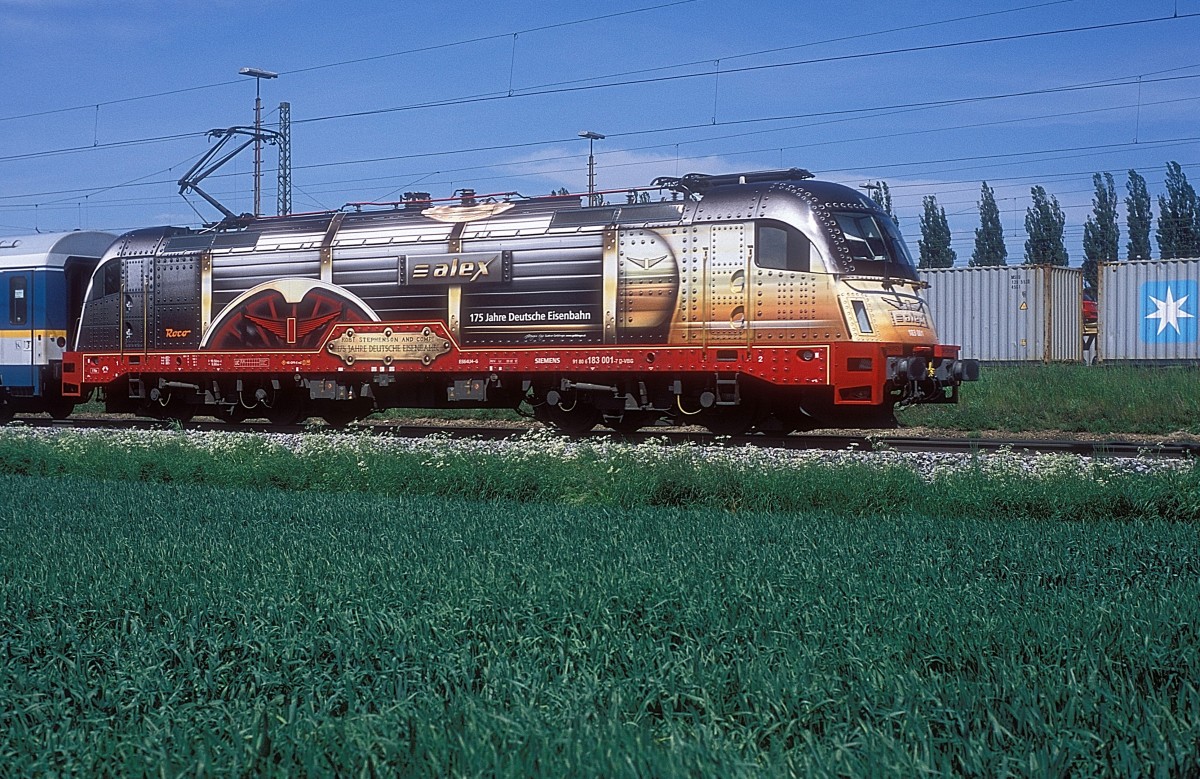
[874, 441]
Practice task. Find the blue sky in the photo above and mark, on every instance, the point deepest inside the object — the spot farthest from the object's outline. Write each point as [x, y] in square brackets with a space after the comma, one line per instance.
[105, 105]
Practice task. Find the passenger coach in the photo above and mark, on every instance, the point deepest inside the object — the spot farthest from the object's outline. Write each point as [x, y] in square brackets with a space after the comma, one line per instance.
[42, 280]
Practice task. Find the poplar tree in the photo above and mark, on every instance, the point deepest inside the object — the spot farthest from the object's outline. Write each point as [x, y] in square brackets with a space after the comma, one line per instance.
[1044, 223]
[989, 237]
[1101, 235]
[935, 237]
[1137, 219]
[1178, 233]
[883, 196]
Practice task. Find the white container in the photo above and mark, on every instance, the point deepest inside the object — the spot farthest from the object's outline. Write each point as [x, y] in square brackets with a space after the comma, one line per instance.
[1009, 313]
[1149, 311]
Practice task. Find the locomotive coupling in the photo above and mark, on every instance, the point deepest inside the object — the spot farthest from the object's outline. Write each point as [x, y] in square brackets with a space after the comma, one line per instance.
[965, 370]
[905, 369]
[946, 370]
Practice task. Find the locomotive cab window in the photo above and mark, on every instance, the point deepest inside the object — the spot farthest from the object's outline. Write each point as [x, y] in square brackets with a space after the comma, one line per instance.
[782, 247]
[874, 246]
[18, 300]
[863, 236]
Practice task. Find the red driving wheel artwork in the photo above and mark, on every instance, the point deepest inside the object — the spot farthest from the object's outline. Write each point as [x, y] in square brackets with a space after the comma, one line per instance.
[267, 319]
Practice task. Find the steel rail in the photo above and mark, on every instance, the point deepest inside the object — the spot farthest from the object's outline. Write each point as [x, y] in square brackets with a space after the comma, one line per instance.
[867, 441]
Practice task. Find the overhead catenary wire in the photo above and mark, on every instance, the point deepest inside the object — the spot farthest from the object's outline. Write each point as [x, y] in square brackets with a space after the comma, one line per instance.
[96, 106]
[537, 90]
[540, 91]
[870, 112]
[185, 90]
[510, 177]
[631, 133]
[1069, 152]
[1075, 151]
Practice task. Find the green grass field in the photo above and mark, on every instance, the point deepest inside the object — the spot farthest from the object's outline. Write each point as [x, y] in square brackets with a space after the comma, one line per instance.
[600, 610]
[543, 467]
[1072, 398]
[181, 629]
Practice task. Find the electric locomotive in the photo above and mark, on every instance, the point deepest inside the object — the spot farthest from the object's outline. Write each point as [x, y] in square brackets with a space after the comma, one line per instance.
[731, 301]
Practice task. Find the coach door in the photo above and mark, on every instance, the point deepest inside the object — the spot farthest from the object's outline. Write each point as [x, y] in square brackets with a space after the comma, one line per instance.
[726, 288]
[16, 330]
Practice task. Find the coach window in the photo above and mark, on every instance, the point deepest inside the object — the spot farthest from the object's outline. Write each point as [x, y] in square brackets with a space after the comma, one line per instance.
[782, 247]
[18, 300]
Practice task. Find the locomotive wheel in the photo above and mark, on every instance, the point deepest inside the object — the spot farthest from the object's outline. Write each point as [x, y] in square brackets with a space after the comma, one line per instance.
[577, 421]
[342, 413]
[631, 421]
[729, 420]
[288, 409]
[7, 412]
[233, 414]
[796, 421]
[174, 409]
[180, 411]
[880, 417]
[59, 408]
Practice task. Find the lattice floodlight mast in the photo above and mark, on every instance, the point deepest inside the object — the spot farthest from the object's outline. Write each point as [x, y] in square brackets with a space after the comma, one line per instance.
[258, 74]
[284, 194]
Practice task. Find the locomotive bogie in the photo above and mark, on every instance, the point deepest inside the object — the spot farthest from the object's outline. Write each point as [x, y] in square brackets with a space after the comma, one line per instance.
[772, 300]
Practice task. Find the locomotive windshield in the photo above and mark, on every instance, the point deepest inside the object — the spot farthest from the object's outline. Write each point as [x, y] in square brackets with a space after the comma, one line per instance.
[875, 245]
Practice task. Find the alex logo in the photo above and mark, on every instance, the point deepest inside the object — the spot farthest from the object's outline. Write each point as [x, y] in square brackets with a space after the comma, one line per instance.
[456, 268]
[1168, 311]
[468, 270]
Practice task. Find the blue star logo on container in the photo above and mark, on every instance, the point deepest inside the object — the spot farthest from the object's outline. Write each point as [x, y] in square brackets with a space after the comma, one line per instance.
[1169, 311]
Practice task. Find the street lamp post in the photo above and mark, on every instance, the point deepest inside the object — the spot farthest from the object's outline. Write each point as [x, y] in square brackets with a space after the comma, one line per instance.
[258, 75]
[591, 139]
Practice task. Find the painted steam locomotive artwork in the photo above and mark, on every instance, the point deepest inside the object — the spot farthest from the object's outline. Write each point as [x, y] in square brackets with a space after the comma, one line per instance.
[764, 299]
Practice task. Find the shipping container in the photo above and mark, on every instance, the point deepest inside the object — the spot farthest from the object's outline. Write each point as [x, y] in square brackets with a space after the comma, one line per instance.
[1009, 314]
[1148, 311]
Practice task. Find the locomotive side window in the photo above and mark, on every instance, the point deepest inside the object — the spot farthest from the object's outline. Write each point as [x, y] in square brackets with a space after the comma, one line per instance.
[107, 280]
[780, 247]
[18, 300]
[112, 277]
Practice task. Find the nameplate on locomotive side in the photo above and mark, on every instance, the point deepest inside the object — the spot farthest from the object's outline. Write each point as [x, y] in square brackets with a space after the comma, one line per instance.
[388, 346]
[467, 269]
